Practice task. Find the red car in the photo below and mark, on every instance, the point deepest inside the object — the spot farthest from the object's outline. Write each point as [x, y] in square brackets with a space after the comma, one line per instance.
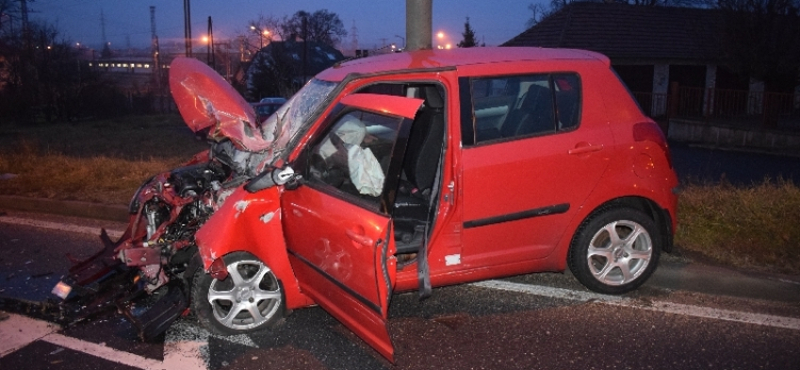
[404, 172]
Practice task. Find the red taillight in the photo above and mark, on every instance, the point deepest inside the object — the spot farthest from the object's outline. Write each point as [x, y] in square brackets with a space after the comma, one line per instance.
[649, 131]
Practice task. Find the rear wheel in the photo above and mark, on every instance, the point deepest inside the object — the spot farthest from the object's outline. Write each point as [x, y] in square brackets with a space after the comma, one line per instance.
[250, 298]
[615, 250]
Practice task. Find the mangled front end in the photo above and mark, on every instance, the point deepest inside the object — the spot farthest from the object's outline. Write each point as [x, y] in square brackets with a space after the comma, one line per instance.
[146, 273]
[153, 255]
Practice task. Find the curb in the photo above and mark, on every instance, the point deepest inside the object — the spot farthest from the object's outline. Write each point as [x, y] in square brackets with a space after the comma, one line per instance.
[66, 208]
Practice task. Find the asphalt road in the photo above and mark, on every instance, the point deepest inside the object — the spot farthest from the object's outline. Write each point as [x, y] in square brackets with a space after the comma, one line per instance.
[460, 327]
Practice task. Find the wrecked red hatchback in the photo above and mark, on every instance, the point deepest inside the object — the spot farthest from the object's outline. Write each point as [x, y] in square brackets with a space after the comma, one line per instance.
[400, 172]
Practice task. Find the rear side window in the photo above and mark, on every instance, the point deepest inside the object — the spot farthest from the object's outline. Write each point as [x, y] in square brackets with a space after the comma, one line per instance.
[510, 107]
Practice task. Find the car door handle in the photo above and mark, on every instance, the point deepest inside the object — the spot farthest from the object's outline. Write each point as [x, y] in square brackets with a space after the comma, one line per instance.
[358, 237]
[584, 148]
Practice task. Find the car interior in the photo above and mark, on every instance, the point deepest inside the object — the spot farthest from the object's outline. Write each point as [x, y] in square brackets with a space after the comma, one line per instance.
[523, 106]
[415, 202]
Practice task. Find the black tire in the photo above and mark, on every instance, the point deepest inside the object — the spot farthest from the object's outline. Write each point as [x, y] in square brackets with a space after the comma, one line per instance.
[213, 301]
[615, 250]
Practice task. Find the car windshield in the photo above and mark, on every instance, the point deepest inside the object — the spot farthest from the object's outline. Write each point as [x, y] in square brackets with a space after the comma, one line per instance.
[293, 116]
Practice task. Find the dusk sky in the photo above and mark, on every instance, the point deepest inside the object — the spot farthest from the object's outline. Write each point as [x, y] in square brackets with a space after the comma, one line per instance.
[494, 22]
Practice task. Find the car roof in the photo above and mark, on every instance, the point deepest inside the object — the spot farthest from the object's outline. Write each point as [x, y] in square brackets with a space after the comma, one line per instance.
[453, 58]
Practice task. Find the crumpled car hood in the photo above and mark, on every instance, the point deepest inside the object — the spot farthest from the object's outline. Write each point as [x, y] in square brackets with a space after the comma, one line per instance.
[207, 101]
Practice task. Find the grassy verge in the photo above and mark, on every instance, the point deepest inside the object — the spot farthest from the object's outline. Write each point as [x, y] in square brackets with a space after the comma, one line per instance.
[98, 161]
[755, 227]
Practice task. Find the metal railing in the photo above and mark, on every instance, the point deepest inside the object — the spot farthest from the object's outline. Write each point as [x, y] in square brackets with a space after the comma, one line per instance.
[767, 109]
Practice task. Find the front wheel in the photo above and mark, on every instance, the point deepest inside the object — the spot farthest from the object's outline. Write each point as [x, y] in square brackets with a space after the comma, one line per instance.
[250, 298]
[615, 251]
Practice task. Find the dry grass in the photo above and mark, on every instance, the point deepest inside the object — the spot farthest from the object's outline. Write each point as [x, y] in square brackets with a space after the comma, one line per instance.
[100, 161]
[755, 226]
[96, 179]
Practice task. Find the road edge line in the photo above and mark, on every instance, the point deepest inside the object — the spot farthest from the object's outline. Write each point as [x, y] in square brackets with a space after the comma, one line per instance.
[657, 306]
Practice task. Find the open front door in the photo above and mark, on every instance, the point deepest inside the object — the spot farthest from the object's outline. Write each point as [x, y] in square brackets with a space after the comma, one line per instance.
[338, 225]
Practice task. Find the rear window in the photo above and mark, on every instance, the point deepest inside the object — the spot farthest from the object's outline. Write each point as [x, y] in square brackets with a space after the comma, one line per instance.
[511, 107]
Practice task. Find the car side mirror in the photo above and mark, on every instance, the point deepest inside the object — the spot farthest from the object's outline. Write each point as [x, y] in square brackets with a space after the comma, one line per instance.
[278, 176]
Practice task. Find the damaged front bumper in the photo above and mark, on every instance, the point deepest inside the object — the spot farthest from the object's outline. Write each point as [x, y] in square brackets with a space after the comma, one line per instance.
[102, 282]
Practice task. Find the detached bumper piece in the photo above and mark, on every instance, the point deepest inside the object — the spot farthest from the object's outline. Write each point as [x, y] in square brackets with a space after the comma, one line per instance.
[102, 282]
[157, 318]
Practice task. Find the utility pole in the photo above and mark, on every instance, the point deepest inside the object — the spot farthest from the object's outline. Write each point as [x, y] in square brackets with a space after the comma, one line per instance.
[354, 35]
[187, 27]
[154, 49]
[103, 26]
[305, 48]
[419, 24]
[26, 31]
[210, 59]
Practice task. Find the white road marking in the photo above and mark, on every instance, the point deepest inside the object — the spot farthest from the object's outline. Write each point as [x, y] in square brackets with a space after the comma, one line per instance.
[114, 234]
[101, 351]
[185, 344]
[18, 331]
[666, 307]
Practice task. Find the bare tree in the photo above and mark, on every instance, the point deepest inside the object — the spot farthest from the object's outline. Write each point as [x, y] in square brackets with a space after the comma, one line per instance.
[539, 12]
[321, 26]
[8, 13]
[47, 78]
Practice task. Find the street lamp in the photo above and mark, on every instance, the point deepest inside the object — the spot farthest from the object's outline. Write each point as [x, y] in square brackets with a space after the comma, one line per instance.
[441, 36]
[404, 41]
[261, 33]
[210, 56]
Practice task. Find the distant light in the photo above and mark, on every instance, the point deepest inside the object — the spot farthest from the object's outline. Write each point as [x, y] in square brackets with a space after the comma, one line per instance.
[440, 35]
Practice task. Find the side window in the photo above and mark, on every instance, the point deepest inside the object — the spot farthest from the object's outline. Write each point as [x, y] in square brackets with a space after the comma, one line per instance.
[522, 106]
[354, 154]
